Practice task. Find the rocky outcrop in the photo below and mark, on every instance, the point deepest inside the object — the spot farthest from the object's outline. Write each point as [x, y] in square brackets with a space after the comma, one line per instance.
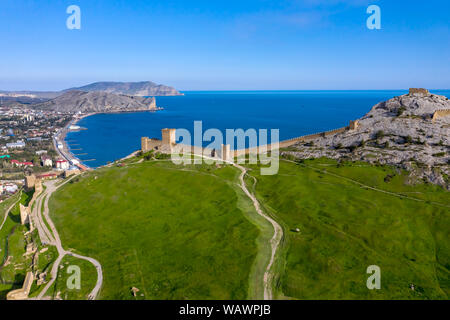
[142, 89]
[87, 102]
[403, 131]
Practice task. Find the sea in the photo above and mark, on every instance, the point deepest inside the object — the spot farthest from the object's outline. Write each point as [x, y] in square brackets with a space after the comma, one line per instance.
[110, 137]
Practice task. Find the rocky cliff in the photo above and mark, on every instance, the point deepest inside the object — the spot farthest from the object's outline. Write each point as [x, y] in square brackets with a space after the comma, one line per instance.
[403, 131]
[86, 102]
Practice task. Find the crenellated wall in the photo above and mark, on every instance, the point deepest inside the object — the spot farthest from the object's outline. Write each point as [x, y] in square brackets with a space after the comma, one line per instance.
[22, 293]
[441, 114]
[419, 92]
[167, 145]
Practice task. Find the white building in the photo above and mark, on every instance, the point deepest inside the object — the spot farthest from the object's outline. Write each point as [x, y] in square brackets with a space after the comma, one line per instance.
[16, 145]
[62, 164]
[46, 161]
[10, 188]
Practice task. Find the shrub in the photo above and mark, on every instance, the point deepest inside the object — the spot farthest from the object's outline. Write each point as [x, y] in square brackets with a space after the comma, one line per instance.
[400, 111]
[440, 154]
[380, 134]
[408, 139]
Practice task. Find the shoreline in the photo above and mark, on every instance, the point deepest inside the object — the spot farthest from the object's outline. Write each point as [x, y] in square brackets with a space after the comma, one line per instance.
[62, 135]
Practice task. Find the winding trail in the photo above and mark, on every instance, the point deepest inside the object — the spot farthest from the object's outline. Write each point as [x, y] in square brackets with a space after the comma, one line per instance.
[278, 230]
[56, 241]
[275, 241]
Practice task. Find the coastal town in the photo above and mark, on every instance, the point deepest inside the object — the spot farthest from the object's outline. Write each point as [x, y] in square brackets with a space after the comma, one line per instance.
[32, 144]
[34, 125]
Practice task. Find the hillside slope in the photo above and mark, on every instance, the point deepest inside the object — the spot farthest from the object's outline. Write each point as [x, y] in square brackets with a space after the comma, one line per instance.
[146, 226]
[85, 102]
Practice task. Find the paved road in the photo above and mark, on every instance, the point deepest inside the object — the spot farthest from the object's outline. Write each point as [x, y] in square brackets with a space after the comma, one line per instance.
[56, 241]
[44, 234]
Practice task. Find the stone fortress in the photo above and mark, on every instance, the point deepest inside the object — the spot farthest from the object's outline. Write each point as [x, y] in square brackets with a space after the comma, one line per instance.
[439, 114]
[26, 219]
[420, 92]
[168, 141]
[164, 146]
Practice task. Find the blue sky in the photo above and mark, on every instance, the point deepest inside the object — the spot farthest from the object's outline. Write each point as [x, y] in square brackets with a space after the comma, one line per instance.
[226, 45]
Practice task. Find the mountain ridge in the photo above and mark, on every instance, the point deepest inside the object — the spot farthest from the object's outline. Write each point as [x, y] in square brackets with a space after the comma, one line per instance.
[141, 89]
[97, 102]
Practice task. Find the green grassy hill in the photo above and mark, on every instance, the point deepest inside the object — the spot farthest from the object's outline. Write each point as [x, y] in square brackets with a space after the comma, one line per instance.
[172, 232]
[346, 227]
[189, 232]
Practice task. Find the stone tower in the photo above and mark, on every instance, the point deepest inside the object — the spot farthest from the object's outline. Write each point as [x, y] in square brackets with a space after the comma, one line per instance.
[169, 136]
[419, 92]
[30, 181]
[354, 125]
[226, 153]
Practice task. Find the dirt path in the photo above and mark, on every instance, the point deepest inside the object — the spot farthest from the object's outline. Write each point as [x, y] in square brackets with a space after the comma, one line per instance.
[275, 241]
[277, 235]
[51, 187]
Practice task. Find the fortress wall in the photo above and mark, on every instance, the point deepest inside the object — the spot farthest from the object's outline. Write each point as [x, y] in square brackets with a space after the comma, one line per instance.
[149, 144]
[169, 135]
[419, 91]
[22, 294]
[289, 142]
[441, 114]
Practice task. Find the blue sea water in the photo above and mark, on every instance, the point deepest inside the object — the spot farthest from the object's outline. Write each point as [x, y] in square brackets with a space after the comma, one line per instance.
[295, 113]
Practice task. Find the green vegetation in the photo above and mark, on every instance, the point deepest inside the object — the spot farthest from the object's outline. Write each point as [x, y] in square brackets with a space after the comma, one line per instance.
[13, 264]
[173, 232]
[88, 277]
[345, 226]
[439, 154]
[189, 232]
[380, 134]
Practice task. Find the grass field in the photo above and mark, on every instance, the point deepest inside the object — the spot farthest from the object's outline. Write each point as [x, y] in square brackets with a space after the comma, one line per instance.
[13, 244]
[346, 227]
[172, 232]
[88, 278]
